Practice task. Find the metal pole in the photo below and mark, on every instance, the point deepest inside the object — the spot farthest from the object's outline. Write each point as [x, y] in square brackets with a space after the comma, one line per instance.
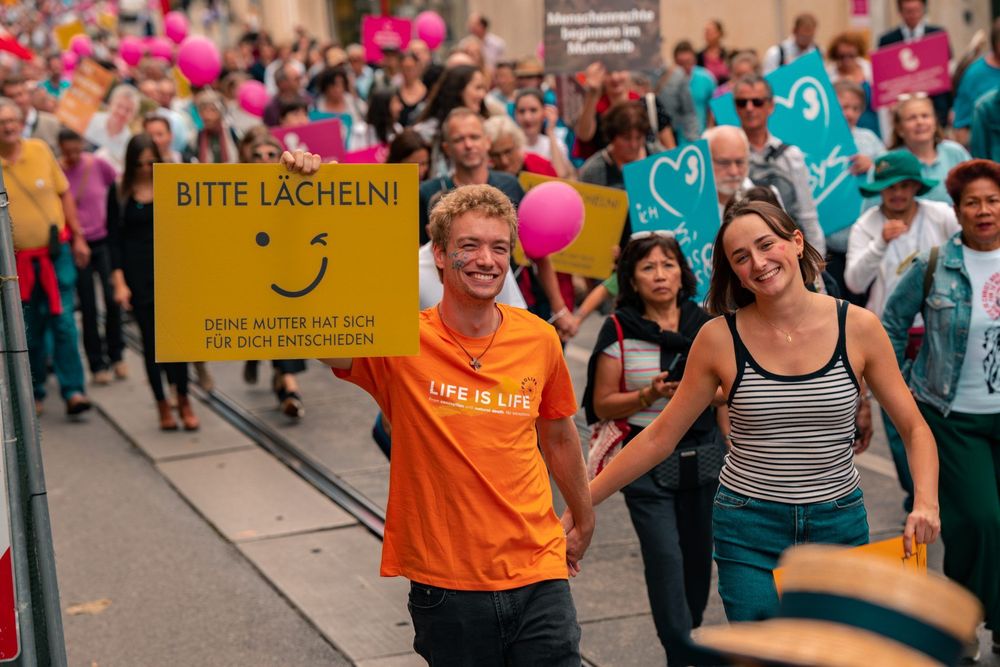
[31, 541]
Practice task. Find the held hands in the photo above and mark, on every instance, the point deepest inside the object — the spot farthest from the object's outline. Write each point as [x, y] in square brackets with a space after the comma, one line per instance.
[301, 162]
[924, 525]
[892, 229]
[577, 540]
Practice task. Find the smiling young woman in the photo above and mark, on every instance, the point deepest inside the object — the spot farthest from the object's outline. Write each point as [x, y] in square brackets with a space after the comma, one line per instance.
[790, 363]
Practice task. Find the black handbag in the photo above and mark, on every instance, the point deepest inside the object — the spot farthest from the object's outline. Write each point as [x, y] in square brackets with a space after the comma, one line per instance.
[694, 463]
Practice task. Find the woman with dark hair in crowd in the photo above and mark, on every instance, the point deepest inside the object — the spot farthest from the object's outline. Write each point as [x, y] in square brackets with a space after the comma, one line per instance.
[381, 122]
[408, 147]
[632, 375]
[626, 126]
[790, 363]
[267, 150]
[543, 136]
[132, 251]
[335, 98]
[412, 91]
[459, 86]
[956, 377]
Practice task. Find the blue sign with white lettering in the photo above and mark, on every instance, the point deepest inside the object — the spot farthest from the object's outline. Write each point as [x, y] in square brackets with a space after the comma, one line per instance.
[807, 114]
[675, 191]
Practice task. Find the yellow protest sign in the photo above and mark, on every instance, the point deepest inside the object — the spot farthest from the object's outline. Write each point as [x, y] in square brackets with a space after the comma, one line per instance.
[108, 21]
[182, 83]
[79, 102]
[252, 262]
[67, 31]
[891, 549]
[604, 215]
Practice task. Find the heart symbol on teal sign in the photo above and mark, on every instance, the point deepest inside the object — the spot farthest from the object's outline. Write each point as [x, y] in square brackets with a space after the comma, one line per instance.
[683, 182]
[807, 100]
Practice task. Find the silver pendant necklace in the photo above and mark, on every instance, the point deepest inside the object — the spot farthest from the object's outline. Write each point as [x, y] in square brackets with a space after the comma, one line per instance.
[474, 361]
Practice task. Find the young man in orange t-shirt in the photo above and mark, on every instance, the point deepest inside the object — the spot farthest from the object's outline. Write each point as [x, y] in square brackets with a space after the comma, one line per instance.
[470, 519]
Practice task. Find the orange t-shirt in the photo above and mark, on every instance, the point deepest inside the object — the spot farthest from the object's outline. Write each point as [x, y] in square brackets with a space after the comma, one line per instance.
[470, 506]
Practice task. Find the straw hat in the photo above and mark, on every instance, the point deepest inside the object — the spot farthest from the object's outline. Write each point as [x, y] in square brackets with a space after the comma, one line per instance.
[530, 66]
[840, 608]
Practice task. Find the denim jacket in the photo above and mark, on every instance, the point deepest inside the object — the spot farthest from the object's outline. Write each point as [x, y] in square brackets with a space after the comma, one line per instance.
[933, 375]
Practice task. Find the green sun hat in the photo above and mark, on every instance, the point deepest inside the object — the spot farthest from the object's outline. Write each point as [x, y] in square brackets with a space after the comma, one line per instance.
[894, 167]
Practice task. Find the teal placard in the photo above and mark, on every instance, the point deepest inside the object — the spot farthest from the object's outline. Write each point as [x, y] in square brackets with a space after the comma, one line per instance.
[807, 114]
[675, 191]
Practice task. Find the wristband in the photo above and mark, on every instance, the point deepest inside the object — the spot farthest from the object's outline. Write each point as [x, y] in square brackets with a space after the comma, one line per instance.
[560, 313]
[643, 401]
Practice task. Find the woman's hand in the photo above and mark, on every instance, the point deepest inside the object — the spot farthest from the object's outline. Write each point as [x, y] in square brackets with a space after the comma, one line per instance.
[594, 76]
[123, 295]
[924, 525]
[660, 387]
[551, 120]
[301, 162]
[860, 164]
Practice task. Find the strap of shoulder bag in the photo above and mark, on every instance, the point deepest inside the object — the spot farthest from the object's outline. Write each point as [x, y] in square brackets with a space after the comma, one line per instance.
[621, 346]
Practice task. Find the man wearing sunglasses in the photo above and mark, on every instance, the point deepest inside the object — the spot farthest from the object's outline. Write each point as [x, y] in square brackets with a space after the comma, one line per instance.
[774, 163]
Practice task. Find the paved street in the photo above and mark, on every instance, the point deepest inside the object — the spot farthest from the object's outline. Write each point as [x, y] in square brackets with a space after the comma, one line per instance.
[211, 552]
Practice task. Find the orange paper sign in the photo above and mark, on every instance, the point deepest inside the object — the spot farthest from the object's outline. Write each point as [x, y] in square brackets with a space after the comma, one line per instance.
[83, 98]
[891, 549]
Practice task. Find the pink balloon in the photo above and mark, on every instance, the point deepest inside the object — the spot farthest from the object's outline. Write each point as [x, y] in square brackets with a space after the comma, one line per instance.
[431, 28]
[252, 96]
[549, 218]
[540, 50]
[69, 60]
[131, 50]
[199, 60]
[81, 46]
[175, 25]
[161, 47]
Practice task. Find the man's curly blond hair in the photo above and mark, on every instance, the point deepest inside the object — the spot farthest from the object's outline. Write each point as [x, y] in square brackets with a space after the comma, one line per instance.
[483, 199]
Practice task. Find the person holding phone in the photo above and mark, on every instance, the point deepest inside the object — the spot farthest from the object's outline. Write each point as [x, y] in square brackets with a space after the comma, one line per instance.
[634, 375]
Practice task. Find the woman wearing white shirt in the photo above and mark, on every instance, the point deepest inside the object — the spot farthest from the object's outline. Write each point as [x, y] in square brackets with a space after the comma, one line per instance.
[886, 238]
[543, 136]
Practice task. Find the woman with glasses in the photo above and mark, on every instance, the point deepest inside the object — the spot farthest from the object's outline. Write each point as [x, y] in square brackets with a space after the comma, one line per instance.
[790, 363]
[915, 128]
[634, 375]
[267, 150]
[132, 252]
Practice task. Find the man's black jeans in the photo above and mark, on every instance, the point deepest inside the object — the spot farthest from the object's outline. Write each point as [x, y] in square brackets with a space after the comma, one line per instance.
[531, 625]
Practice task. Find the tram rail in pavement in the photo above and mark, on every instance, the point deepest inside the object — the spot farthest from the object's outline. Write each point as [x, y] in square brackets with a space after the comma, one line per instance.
[349, 499]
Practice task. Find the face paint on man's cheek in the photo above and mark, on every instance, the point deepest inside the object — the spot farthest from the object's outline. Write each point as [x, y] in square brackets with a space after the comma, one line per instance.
[459, 259]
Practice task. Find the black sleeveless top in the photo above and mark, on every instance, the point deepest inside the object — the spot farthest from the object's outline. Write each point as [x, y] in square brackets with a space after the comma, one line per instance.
[792, 435]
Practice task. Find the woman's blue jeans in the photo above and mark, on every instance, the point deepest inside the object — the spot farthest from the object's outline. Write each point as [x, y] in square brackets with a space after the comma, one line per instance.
[751, 534]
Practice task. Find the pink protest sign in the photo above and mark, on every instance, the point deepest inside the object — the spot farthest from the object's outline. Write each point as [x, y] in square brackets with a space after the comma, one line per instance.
[373, 155]
[380, 31]
[911, 67]
[322, 137]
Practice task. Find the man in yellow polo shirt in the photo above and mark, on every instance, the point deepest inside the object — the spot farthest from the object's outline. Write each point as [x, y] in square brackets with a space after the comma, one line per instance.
[47, 241]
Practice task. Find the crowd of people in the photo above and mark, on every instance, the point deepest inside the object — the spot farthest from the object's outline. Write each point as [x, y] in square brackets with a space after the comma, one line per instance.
[740, 438]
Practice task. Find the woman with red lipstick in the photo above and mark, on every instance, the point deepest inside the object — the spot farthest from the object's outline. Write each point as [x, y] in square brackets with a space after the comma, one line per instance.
[790, 363]
[955, 377]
